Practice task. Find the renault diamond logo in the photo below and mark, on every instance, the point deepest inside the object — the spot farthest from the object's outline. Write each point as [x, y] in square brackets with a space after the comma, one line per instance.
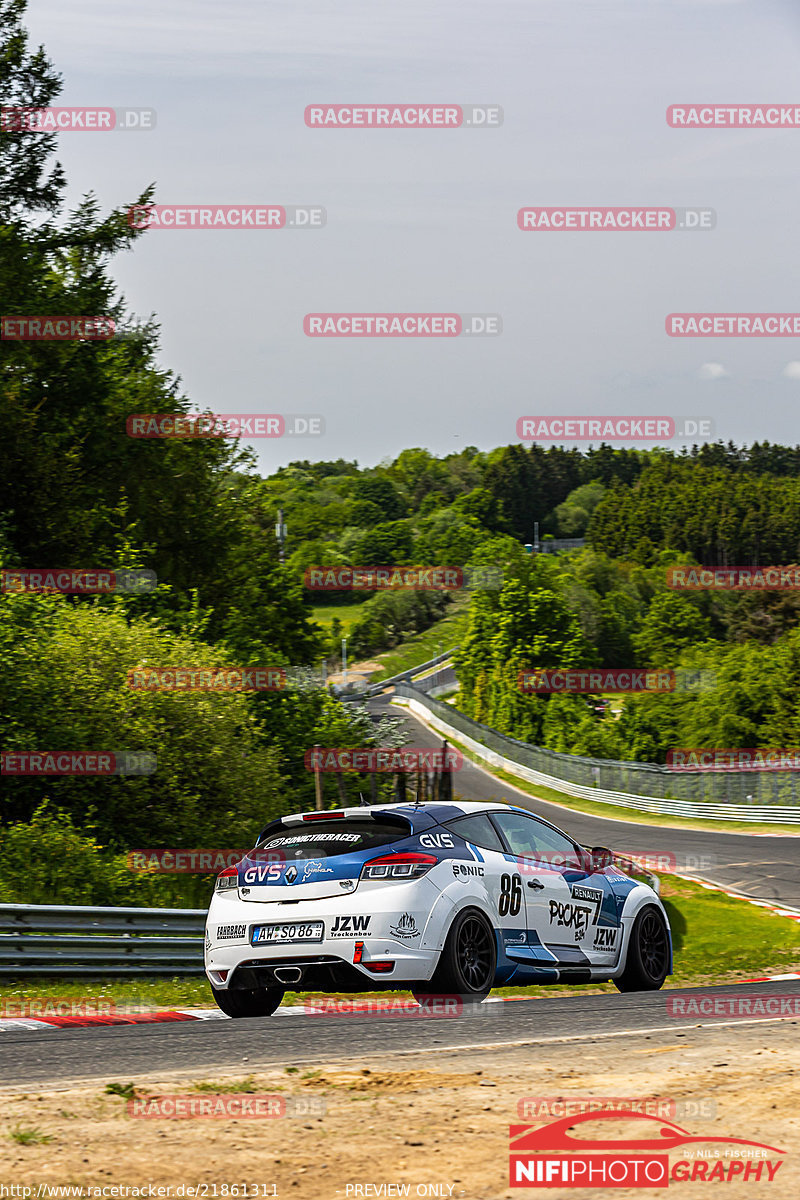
[291, 875]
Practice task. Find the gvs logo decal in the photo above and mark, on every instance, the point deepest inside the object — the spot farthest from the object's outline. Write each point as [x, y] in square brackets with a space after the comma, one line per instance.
[436, 840]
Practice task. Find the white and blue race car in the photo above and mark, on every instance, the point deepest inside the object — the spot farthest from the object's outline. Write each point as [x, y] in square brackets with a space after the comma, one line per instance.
[441, 898]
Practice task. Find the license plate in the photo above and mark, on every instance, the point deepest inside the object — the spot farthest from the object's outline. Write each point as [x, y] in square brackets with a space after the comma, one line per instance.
[289, 931]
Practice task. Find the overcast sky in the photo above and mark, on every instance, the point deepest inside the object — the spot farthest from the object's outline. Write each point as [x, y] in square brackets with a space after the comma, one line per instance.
[425, 221]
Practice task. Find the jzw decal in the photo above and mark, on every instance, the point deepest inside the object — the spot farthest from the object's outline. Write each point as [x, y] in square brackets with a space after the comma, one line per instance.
[466, 869]
[349, 926]
[230, 931]
[510, 900]
[262, 872]
[572, 916]
[432, 840]
[605, 939]
[590, 895]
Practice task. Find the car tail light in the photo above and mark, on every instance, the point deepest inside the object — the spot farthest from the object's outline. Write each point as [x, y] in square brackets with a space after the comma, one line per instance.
[229, 878]
[382, 967]
[399, 866]
[323, 816]
[359, 952]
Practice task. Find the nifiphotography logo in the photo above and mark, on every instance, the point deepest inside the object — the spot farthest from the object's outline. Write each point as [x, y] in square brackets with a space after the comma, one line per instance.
[553, 1156]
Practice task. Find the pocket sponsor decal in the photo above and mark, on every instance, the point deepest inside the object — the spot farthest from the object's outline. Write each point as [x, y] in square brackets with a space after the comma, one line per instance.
[570, 916]
[231, 931]
[405, 929]
[467, 869]
[350, 926]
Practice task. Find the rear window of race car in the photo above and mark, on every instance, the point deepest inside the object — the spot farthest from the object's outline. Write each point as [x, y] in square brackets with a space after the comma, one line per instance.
[325, 839]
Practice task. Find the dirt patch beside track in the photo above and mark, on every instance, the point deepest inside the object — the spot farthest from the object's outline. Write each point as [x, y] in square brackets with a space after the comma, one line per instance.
[425, 1121]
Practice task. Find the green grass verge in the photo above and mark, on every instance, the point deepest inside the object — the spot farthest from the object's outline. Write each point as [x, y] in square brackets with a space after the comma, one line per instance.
[348, 614]
[422, 646]
[618, 812]
[717, 939]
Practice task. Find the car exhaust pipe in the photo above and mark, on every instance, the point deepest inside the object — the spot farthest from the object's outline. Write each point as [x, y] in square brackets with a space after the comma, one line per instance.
[288, 974]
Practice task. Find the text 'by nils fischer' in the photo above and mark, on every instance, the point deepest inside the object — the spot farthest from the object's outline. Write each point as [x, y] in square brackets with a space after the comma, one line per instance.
[612, 429]
[221, 425]
[615, 219]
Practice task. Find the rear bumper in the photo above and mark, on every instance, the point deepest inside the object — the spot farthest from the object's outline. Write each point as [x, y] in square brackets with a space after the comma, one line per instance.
[316, 969]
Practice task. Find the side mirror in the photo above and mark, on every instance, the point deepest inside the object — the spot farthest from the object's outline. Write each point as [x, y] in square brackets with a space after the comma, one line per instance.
[601, 857]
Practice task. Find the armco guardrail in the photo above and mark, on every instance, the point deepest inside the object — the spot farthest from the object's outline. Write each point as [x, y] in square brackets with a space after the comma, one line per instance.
[376, 688]
[50, 939]
[770, 796]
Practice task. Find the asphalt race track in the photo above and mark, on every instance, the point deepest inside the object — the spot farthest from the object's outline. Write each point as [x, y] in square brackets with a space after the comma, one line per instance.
[66, 1056]
[763, 867]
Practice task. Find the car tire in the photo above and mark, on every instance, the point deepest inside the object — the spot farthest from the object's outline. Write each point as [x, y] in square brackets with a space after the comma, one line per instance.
[248, 1002]
[647, 961]
[468, 961]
